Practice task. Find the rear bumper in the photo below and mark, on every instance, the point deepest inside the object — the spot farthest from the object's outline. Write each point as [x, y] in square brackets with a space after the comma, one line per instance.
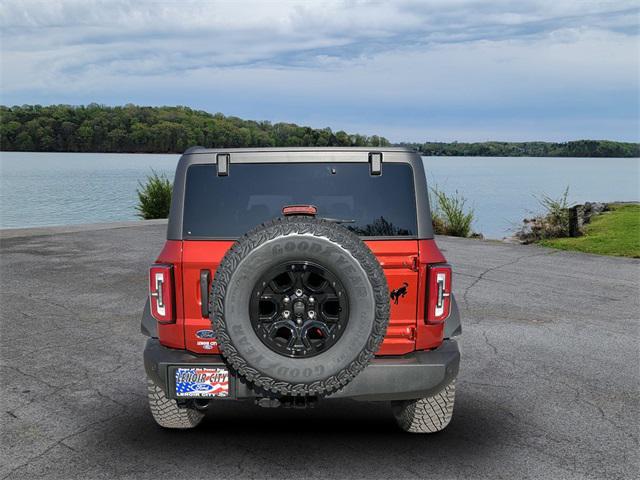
[415, 375]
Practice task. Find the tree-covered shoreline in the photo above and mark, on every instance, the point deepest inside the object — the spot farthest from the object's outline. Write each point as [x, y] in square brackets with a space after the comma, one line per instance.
[138, 129]
[576, 148]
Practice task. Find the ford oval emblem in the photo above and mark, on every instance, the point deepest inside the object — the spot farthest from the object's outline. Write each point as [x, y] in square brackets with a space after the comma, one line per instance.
[201, 387]
[205, 334]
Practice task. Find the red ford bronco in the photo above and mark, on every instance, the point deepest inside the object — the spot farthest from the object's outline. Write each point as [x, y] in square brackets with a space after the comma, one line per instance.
[295, 275]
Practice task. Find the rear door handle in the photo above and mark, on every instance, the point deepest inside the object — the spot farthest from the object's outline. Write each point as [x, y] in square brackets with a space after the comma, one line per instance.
[205, 275]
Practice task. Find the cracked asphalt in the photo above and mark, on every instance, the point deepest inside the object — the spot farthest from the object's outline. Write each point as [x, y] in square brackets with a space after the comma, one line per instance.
[549, 382]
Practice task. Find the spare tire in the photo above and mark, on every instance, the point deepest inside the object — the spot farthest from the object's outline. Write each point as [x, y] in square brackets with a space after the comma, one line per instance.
[299, 306]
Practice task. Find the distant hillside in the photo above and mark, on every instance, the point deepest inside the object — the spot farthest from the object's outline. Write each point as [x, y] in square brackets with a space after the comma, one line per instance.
[135, 129]
[578, 148]
[97, 128]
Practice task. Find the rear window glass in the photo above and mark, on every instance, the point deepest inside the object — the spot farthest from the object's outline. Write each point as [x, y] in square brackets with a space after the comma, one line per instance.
[229, 206]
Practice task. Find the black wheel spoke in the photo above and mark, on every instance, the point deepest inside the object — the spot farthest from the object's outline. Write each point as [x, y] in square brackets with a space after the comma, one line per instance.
[299, 309]
[298, 280]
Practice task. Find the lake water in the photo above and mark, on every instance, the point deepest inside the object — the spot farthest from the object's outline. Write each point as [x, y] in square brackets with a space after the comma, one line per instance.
[38, 189]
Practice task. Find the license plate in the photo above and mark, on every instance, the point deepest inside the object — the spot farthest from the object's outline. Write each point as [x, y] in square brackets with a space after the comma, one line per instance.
[202, 382]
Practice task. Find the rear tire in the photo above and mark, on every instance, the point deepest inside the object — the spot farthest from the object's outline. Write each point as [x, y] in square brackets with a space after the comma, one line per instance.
[166, 412]
[426, 415]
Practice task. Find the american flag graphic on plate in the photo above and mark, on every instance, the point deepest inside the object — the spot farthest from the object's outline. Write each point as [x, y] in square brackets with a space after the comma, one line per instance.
[202, 382]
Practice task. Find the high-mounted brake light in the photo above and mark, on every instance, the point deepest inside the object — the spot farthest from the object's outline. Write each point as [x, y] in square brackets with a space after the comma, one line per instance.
[161, 292]
[438, 293]
[310, 210]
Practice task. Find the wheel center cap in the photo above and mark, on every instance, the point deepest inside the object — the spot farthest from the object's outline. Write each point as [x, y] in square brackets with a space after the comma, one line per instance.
[298, 309]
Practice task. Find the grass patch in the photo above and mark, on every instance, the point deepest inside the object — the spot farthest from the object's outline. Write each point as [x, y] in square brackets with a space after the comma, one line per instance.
[616, 232]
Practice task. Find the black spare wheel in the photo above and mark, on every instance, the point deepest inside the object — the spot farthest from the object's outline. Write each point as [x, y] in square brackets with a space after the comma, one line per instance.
[299, 306]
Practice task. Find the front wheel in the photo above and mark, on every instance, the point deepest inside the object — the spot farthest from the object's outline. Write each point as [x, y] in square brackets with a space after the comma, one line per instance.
[426, 415]
[166, 412]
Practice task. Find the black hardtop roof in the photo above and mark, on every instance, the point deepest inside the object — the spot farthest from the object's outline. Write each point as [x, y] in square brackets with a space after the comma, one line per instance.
[200, 150]
[199, 155]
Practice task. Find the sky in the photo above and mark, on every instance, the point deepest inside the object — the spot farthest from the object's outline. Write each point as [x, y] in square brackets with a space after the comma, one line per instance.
[440, 70]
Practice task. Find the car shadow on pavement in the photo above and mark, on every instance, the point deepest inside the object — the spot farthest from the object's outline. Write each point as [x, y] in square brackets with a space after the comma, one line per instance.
[361, 435]
[338, 439]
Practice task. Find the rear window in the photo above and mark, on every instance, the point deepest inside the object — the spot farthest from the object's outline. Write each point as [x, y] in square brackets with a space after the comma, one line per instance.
[229, 206]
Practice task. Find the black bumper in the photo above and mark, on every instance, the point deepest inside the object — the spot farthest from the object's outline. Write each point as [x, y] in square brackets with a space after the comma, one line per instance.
[415, 375]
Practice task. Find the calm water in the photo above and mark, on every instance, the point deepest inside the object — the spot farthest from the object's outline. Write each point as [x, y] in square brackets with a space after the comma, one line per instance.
[501, 189]
[38, 189]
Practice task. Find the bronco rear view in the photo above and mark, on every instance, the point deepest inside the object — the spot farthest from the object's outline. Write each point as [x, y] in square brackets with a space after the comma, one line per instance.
[293, 276]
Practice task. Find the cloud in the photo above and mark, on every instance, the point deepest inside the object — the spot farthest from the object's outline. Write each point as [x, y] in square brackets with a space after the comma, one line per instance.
[452, 67]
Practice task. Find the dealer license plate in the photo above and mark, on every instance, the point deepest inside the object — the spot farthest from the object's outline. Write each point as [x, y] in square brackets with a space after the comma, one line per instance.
[202, 382]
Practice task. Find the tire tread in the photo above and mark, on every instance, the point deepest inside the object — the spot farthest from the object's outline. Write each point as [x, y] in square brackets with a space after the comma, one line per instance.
[427, 415]
[166, 412]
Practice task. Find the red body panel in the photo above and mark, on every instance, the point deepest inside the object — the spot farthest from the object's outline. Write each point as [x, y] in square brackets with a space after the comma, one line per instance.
[398, 259]
[403, 261]
[197, 256]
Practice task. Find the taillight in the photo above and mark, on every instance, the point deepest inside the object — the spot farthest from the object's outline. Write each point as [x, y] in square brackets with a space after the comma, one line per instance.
[438, 293]
[161, 292]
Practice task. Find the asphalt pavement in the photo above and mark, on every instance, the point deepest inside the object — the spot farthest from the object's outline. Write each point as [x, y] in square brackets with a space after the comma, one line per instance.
[548, 388]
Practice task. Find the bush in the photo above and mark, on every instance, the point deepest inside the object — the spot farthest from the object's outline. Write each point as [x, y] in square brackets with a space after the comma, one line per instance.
[449, 215]
[557, 213]
[154, 197]
[552, 223]
[439, 225]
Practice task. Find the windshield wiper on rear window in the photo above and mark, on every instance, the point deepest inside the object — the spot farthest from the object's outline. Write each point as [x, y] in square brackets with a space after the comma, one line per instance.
[337, 220]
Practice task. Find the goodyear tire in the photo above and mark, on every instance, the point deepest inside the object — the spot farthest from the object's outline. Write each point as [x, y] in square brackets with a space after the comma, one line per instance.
[351, 272]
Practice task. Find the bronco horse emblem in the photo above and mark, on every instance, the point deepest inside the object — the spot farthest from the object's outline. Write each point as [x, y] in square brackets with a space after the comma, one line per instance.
[399, 292]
